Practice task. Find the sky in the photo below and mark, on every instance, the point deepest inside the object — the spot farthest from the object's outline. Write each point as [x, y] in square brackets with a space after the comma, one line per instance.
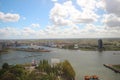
[41, 19]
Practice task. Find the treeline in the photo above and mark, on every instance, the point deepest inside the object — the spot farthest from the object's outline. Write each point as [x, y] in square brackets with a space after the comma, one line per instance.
[44, 71]
[12, 72]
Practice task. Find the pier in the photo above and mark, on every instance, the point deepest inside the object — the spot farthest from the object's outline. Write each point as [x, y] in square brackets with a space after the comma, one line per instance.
[112, 68]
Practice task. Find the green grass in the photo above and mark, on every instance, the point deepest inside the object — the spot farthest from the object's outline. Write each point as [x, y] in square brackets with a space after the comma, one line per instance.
[117, 66]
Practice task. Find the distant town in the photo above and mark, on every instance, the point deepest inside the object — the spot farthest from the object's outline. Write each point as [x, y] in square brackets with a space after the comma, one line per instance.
[73, 44]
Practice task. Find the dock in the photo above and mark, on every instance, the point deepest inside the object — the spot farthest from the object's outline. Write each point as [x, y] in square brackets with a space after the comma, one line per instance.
[112, 68]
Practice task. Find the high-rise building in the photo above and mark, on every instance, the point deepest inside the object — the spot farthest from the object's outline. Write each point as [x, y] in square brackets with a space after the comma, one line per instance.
[100, 44]
[3, 45]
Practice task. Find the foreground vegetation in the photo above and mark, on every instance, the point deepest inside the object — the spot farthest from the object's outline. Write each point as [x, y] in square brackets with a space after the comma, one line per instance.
[44, 71]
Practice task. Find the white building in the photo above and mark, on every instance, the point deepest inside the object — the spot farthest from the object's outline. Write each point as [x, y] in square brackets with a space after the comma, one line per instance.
[76, 46]
[55, 61]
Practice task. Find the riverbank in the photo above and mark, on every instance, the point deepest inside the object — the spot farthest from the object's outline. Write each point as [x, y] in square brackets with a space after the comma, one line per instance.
[30, 50]
[4, 50]
[94, 49]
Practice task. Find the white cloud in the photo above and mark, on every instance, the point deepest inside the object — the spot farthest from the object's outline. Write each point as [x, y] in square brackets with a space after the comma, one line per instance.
[101, 4]
[54, 0]
[35, 25]
[89, 31]
[71, 22]
[66, 13]
[58, 15]
[111, 20]
[26, 32]
[8, 32]
[88, 10]
[112, 16]
[87, 4]
[91, 4]
[9, 17]
[113, 7]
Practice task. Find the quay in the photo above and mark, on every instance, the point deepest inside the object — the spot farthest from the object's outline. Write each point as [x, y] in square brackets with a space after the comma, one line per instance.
[112, 68]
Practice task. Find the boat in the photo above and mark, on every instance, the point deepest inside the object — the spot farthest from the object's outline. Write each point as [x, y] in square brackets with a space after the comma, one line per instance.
[93, 77]
[37, 50]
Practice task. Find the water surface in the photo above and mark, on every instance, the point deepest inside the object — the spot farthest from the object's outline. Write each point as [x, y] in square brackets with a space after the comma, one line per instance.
[83, 62]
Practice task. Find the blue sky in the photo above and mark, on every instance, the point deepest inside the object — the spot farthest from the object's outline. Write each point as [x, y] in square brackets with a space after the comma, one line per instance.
[37, 19]
[34, 11]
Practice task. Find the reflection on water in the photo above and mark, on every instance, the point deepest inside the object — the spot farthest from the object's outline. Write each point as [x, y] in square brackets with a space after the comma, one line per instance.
[84, 62]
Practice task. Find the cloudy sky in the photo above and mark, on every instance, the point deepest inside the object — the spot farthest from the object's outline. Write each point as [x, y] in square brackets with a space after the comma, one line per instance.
[37, 19]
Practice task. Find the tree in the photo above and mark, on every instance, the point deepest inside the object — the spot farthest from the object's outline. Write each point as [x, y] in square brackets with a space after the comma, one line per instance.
[2, 71]
[18, 71]
[8, 76]
[44, 66]
[5, 66]
[68, 71]
[50, 76]
[13, 72]
[32, 76]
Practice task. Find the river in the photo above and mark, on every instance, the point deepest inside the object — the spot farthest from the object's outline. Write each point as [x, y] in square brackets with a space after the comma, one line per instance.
[83, 62]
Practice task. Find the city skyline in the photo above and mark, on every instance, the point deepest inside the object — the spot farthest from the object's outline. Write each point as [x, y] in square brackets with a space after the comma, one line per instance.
[39, 19]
